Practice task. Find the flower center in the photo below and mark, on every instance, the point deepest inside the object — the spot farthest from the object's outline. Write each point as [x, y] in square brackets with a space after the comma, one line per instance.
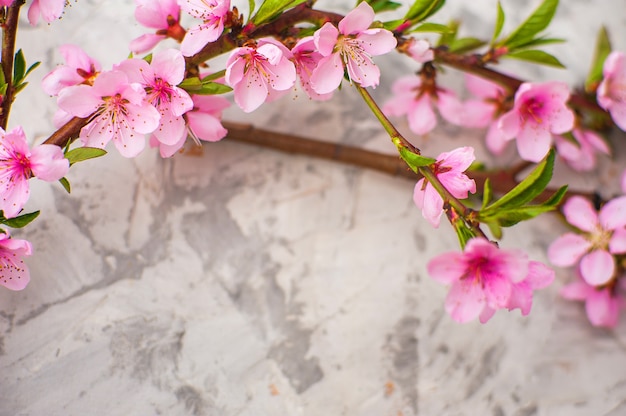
[532, 109]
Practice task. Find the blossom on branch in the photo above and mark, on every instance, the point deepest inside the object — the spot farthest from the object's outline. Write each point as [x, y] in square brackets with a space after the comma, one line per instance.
[539, 111]
[14, 273]
[485, 278]
[212, 13]
[79, 68]
[350, 48]
[306, 58]
[612, 89]
[162, 15]
[48, 9]
[449, 169]
[420, 50]
[581, 156]
[602, 304]
[18, 163]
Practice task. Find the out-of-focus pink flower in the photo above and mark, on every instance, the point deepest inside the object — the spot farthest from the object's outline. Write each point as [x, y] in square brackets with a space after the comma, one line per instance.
[118, 112]
[162, 15]
[485, 278]
[14, 273]
[604, 235]
[602, 304]
[256, 73]
[612, 89]
[18, 163]
[79, 68]
[306, 58]
[48, 9]
[416, 99]
[159, 79]
[6, 2]
[212, 14]
[351, 47]
[449, 169]
[540, 110]
[203, 123]
[420, 50]
[581, 157]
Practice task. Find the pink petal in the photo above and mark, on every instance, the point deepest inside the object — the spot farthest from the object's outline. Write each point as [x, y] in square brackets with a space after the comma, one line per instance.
[145, 43]
[48, 162]
[205, 126]
[199, 36]
[377, 41]
[15, 196]
[495, 140]
[363, 71]
[597, 267]
[562, 120]
[458, 159]
[251, 92]
[567, 249]
[521, 298]
[476, 113]
[533, 142]
[539, 275]
[170, 127]
[576, 291]
[449, 107]
[328, 74]
[169, 64]
[97, 133]
[14, 273]
[618, 114]
[497, 291]
[580, 213]
[481, 87]
[447, 268]
[79, 100]
[433, 206]
[180, 102]
[613, 214]
[509, 124]
[325, 39]
[465, 300]
[602, 309]
[486, 314]
[358, 20]
[60, 78]
[617, 244]
[421, 116]
[127, 141]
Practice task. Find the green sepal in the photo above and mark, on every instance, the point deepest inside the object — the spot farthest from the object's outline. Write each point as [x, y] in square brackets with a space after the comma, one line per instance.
[272, 8]
[603, 49]
[414, 160]
[463, 45]
[463, 233]
[499, 23]
[148, 58]
[84, 153]
[432, 28]
[383, 5]
[20, 221]
[66, 185]
[536, 22]
[423, 9]
[535, 56]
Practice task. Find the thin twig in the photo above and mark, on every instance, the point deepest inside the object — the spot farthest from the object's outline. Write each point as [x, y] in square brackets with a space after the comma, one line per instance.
[9, 33]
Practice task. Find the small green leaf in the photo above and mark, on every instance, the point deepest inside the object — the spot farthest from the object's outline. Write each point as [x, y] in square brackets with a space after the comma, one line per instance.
[414, 160]
[555, 199]
[214, 76]
[271, 8]
[84, 153]
[463, 45]
[191, 84]
[603, 49]
[393, 24]
[431, 27]
[19, 67]
[251, 6]
[21, 221]
[463, 233]
[487, 193]
[213, 88]
[495, 229]
[32, 68]
[383, 5]
[540, 41]
[447, 38]
[423, 9]
[66, 185]
[535, 56]
[536, 22]
[499, 23]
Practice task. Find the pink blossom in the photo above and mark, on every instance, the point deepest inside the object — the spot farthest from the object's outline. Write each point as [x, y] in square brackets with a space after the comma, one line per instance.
[79, 68]
[449, 169]
[49, 9]
[14, 273]
[256, 73]
[581, 156]
[212, 13]
[352, 47]
[203, 123]
[159, 79]
[420, 50]
[416, 99]
[162, 15]
[612, 89]
[6, 2]
[602, 304]
[18, 163]
[117, 109]
[306, 58]
[539, 111]
[603, 236]
[485, 278]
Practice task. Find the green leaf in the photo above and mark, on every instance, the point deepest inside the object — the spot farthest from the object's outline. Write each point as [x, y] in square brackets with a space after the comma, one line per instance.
[271, 8]
[495, 229]
[536, 22]
[19, 67]
[499, 23]
[393, 24]
[448, 37]
[422, 9]
[463, 45]
[540, 41]
[214, 76]
[383, 5]
[32, 68]
[526, 190]
[21, 221]
[414, 160]
[251, 6]
[463, 233]
[66, 185]
[487, 193]
[213, 88]
[431, 27]
[603, 49]
[84, 153]
[535, 56]
[556, 198]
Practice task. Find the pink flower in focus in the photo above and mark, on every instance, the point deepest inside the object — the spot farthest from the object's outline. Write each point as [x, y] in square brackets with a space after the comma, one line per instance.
[449, 169]
[79, 68]
[602, 304]
[306, 58]
[604, 235]
[117, 109]
[256, 73]
[352, 47]
[162, 15]
[415, 99]
[212, 13]
[203, 123]
[159, 79]
[49, 9]
[14, 273]
[485, 278]
[612, 89]
[420, 50]
[18, 163]
[540, 110]
[582, 156]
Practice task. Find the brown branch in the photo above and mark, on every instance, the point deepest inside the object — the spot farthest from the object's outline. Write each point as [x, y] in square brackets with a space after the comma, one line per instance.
[9, 34]
[67, 132]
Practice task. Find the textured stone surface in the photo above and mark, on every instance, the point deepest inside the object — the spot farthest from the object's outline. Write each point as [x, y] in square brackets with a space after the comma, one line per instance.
[249, 282]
